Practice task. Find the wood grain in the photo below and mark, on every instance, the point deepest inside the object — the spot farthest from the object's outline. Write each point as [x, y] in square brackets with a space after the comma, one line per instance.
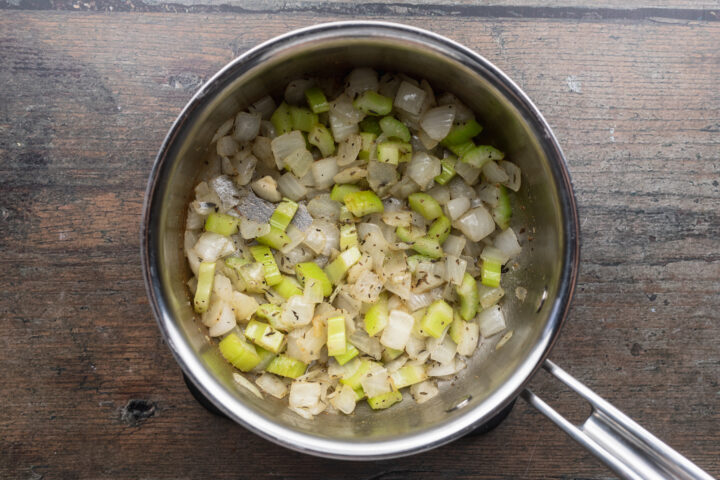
[89, 388]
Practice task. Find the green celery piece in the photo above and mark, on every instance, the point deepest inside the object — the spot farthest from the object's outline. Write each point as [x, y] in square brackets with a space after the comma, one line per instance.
[388, 152]
[282, 119]
[438, 316]
[368, 141]
[469, 297]
[461, 148]
[408, 375]
[288, 287]
[354, 377]
[339, 191]
[348, 236]
[222, 223]
[372, 103]
[359, 393]
[241, 354]
[394, 128]
[311, 271]
[270, 313]
[337, 269]
[363, 203]
[491, 273]
[265, 336]
[345, 216]
[425, 205]
[413, 260]
[480, 155]
[462, 133]
[336, 342]
[316, 100]
[385, 400]
[206, 277]
[302, 119]
[370, 125]
[440, 229]
[283, 214]
[321, 137]
[390, 354]
[448, 170]
[427, 246]
[263, 255]
[286, 367]
[376, 318]
[236, 262]
[276, 239]
[408, 234]
[350, 353]
[457, 328]
[503, 211]
[266, 356]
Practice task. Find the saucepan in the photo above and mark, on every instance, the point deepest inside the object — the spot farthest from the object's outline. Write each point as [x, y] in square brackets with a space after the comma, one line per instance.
[494, 377]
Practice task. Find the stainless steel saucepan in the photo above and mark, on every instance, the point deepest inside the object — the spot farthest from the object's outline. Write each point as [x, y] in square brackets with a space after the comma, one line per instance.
[549, 262]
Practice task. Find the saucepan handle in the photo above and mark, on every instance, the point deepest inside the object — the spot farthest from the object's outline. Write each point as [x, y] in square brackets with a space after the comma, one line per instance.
[624, 446]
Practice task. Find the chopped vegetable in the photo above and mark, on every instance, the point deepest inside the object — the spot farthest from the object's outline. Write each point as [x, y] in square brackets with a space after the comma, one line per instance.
[363, 203]
[239, 353]
[425, 205]
[223, 224]
[438, 316]
[385, 400]
[265, 336]
[206, 275]
[263, 255]
[316, 100]
[336, 343]
[309, 271]
[283, 214]
[339, 192]
[468, 293]
[286, 367]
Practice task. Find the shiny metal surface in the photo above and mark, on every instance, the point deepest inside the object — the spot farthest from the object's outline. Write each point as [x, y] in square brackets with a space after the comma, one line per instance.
[549, 262]
[624, 446]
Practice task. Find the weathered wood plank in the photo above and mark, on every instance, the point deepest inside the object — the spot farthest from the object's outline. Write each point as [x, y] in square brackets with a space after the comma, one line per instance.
[85, 103]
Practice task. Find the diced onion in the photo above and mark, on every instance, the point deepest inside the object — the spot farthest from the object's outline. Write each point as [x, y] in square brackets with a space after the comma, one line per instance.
[467, 172]
[396, 333]
[376, 383]
[226, 146]
[458, 188]
[468, 339]
[423, 169]
[442, 349]
[494, 173]
[223, 130]
[348, 149]
[441, 193]
[457, 207]
[341, 127]
[244, 382]
[290, 186]
[410, 98]
[491, 321]
[489, 194]
[304, 394]
[250, 229]
[507, 242]
[265, 107]
[295, 90]
[272, 385]
[361, 80]
[267, 189]
[343, 108]
[450, 368]
[366, 344]
[513, 172]
[323, 172]
[211, 246]
[344, 400]
[437, 121]
[454, 269]
[423, 391]
[285, 144]
[247, 126]
[297, 312]
[381, 176]
[476, 224]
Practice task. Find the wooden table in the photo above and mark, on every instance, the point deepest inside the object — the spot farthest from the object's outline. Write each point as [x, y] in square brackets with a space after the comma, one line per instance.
[89, 89]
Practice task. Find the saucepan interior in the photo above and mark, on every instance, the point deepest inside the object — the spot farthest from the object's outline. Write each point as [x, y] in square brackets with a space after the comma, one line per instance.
[544, 212]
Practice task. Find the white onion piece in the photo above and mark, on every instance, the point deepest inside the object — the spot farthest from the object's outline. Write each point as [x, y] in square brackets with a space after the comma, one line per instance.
[376, 383]
[244, 169]
[489, 194]
[513, 172]
[323, 172]
[344, 400]
[323, 208]
[409, 98]
[494, 173]
[286, 144]
[299, 162]
[194, 220]
[341, 128]
[244, 382]
[367, 288]
[306, 343]
[415, 346]
[476, 224]
[437, 121]
[290, 186]
[323, 235]
[297, 312]
[267, 129]
[507, 242]
[397, 218]
[343, 108]
[424, 140]
[211, 246]
[312, 293]
[223, 130]
[467, 172]
[295, 90]
[416, 301]
[250, 229]
[389, 85]
[381, 176]
[454, 269]
[450, 368]
[361, 80]
[396, 333]
[491, 321]
[457, 207]
[247, 126]
[441, 193]
[423, 169]
[224, 322]
[442, 349]
[272, 385]
[350, 175]
[344, 301]
[296, 238]
[366, 344]
[304, 394]
[290, 259]
[226, 146]
[349, 149]
[489, 296]
[265, 107]
[404, 188]
[458, 188]
[423, 391]
[262, 149]
[267, 189]
[468, 338]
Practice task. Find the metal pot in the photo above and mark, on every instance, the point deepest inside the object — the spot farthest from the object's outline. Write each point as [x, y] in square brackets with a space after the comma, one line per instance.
[549, 263]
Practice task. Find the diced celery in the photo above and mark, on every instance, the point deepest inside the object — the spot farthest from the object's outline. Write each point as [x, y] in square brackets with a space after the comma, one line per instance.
[282, 119]
[385, 400]
[321, 137]
[370, 125]
[491, 272]
[270, 313]
[409, 234]
[337, 269]
[263, 255]
[206, 277]
[438, 316]
[368, 141]
[503, 211]
[336, 343]
[348, 236]
[288, 287]
[339, 191]
[236, 262]
[316, 100]
[350, 353]
[462, 133]
[480, 155]
[354, 376]
[425, 205]
[388, 152]
[265, 336]
[468, 293]
[276, 239]
[302, 119]
[448, 170]
[413, 260]
[359, 393]
[345, 216]
[286, 367]
[461, 149]
[408, 375]
[363, 203]
[283, 214]
[457, 328]
[390, 354]
[440, 229]
[253, 276]
[427, 246]
[266, 356]
[394, 128]
[311, 271]
[241, 354]
[373, 103]
[222, 224]
[376, 318]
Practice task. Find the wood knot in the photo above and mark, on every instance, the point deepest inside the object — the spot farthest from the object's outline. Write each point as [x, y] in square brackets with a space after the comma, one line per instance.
[137, 411]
